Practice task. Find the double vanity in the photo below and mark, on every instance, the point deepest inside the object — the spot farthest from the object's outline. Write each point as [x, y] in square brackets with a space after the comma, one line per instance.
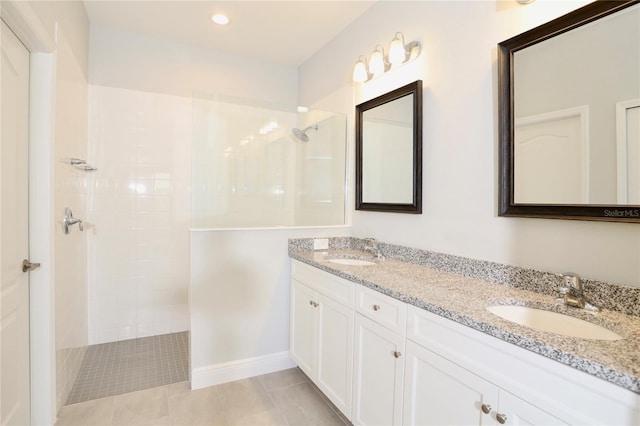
[416, 337]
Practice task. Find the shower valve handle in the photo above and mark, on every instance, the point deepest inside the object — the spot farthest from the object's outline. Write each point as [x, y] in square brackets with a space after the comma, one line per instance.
[70, 220]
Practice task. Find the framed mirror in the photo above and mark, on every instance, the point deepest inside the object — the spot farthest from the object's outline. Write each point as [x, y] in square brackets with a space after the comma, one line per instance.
[569, 116]
[389, 151]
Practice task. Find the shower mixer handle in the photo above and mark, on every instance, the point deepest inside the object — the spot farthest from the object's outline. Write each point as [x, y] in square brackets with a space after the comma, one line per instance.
[70, 220]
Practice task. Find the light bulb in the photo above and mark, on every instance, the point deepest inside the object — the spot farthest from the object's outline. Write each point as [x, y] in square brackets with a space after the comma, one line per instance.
[376, 63]
[360, 73]
[397, 52]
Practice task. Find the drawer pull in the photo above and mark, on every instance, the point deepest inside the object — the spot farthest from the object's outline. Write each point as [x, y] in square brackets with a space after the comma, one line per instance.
[376, 307]
[397, 354]
[486, 408]
[501, 418]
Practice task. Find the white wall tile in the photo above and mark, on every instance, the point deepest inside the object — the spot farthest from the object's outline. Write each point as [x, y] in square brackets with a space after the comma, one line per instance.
[137, 233]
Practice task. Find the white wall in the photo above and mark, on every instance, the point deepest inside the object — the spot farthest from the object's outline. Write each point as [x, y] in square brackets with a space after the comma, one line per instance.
[239, 301]
[141, 92]
[458, 69]
[130, 61]
[67, 23]
[72, 18]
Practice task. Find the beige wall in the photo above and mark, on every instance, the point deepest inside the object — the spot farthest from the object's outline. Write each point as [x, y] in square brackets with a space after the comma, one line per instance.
[458, 69]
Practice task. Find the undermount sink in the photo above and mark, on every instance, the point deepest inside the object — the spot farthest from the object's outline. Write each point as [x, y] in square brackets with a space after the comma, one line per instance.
[352, 262]
[553, 322]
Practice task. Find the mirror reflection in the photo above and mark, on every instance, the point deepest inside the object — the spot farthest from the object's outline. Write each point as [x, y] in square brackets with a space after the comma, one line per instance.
[388, 132]
[576, 100]
[389, 151]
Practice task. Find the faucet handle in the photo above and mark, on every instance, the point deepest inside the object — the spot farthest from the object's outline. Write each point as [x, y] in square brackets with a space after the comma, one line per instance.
[571, 280]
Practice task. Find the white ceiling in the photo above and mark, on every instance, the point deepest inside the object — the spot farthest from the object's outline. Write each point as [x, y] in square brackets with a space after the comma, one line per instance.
[284, 32]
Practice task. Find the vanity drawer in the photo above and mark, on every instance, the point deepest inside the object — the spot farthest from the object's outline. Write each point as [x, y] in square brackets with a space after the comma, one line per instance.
[332, 286]
[384, 310]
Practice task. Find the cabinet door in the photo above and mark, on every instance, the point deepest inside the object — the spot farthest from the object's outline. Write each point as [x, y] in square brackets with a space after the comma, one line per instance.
[379, 367]
[438, 392]
[517, 412]
[303, 327]
[334, 364]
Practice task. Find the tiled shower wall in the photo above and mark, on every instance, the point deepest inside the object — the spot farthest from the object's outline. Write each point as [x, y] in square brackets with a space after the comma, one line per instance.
[138, 213]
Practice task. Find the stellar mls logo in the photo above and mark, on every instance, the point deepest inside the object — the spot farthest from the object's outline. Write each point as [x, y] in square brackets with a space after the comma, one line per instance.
[622, 213]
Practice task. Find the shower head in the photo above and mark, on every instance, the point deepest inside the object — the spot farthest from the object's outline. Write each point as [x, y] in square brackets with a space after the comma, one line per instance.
[302, 134]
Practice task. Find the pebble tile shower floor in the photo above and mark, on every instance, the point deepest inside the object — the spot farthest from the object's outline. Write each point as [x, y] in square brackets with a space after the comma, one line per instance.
[130, 365]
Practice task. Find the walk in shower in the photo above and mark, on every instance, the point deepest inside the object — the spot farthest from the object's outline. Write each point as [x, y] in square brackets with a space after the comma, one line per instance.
[169, 163]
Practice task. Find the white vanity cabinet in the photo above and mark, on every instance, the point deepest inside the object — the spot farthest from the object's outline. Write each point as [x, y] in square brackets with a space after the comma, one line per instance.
[321, 331]
[439, 392]
[383, 362]
[379, 359]
[454, 374]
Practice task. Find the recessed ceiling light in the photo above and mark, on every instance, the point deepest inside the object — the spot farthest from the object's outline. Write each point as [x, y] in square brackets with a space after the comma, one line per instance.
[220, 19]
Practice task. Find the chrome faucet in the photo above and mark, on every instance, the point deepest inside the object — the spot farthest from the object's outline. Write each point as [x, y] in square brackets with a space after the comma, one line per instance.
[373, 246]
[571, 293]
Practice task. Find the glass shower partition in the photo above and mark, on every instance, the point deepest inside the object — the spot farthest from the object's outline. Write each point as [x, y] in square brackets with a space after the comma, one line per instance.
[249, 169]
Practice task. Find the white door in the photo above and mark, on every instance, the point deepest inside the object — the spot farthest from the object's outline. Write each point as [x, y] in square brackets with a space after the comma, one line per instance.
[551, 158]
[334, 363]
[378, 372]
[438, 392]
[14, 289]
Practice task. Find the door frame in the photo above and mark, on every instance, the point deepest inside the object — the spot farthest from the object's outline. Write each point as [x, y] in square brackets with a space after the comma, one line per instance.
[25, 23]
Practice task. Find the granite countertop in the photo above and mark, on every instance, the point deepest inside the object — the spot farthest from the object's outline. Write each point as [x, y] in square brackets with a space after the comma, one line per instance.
[448, 295]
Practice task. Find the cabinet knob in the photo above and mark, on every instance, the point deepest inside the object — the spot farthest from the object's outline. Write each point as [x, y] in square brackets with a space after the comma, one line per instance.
[501, 418]
[376, 307]
[311, 302]
[486, 408]
[397, 354]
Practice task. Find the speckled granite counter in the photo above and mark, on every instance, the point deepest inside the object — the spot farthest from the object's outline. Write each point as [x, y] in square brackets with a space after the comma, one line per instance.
[464, 299]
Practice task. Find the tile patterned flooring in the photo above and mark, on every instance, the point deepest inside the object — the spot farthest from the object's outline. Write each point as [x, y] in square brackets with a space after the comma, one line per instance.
[130, 365]
[281, 398]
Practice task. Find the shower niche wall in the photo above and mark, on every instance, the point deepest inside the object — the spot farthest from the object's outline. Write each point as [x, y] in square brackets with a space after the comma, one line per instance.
[256, 165]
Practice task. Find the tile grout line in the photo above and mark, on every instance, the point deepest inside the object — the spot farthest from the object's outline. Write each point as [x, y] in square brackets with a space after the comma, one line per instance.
[275, 403]
[127, 366]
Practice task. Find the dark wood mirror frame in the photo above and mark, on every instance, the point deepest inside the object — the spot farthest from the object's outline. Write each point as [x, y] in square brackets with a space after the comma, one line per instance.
[506, 50]
[414, 89]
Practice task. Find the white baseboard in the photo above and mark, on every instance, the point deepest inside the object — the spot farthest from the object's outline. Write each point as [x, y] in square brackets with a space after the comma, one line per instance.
[216, 374]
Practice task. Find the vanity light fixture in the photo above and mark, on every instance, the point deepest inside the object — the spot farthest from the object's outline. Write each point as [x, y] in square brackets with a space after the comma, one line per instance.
[361, 71]
[525, 1]
[379, 63]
